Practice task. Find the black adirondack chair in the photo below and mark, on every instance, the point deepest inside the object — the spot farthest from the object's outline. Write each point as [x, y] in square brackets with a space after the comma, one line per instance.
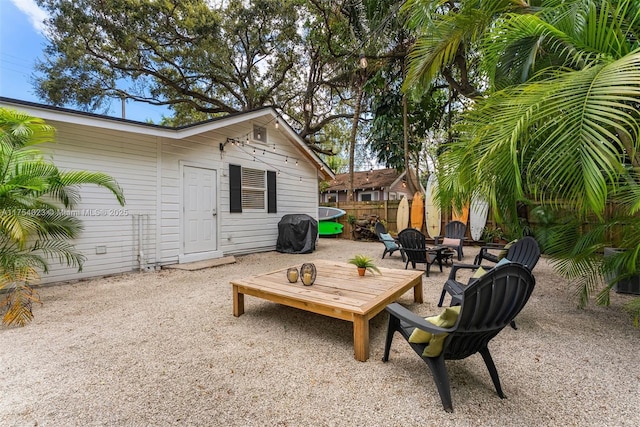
[454, 235]
[414, 247]
[525, 251]
[488, 305]
[390, 244]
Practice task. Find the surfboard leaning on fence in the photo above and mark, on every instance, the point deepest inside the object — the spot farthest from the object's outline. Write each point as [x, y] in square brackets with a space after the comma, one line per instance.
[417, 211]
[432, 210]
[478, 212]
[402, 217]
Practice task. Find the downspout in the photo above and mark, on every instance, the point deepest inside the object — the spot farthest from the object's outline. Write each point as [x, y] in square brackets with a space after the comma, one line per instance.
[140, 250]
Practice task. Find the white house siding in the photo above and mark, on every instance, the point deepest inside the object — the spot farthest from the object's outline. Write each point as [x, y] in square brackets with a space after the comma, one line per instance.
[257, 231]
[198, 151]
[248, 231]
[147, 162]
[237, 232]
[131, 159]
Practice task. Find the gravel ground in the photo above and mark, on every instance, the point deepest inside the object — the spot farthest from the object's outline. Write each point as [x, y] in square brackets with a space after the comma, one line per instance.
[164, 349]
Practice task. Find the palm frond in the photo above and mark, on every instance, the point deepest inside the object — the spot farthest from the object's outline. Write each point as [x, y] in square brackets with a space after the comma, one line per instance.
[64, 186]
[633, 308]
[21, 129]
[33, 228]
[17, 304]
[62, 250]
[565, 133]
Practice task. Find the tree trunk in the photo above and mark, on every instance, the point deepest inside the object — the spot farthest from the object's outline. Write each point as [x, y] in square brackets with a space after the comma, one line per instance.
[352, 139]
[411, 185]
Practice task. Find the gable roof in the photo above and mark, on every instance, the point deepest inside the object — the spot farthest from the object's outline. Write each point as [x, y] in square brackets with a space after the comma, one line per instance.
[366, 180]
[66, 115]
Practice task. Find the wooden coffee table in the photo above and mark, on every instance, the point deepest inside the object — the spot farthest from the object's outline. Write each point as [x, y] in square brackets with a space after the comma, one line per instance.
[337, 292]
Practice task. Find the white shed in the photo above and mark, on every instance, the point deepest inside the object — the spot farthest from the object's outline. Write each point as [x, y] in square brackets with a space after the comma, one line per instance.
[192, 193]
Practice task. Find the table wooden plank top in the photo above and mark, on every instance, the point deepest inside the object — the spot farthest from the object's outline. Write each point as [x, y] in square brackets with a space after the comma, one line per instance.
[338, 292]
[337, 286]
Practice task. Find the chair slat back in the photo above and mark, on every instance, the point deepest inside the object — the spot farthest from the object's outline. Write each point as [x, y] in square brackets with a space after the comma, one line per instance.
[380, 229]
[455, 230]
[414, 244]
[489, 304]
[525, 251]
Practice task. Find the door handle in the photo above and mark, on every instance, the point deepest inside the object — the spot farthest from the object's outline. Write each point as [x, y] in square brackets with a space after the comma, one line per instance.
[214, 213]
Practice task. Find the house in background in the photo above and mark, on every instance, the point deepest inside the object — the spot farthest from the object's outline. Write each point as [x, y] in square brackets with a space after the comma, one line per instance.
[192, 193]
[369, 186]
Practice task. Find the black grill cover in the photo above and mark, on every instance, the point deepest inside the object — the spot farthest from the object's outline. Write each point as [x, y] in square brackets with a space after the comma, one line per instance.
[297, 234]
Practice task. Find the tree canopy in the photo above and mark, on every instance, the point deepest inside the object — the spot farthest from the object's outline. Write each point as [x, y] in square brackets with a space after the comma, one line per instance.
[557, 124]
[204, 58]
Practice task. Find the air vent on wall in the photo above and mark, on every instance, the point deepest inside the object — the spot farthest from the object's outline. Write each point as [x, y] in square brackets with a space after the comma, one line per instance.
[260, 134]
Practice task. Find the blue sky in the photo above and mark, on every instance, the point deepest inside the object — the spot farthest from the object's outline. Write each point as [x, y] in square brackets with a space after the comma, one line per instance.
[22, 42]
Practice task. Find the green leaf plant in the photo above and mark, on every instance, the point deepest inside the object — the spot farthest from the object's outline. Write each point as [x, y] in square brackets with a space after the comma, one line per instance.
[34, 226]
[362, 261]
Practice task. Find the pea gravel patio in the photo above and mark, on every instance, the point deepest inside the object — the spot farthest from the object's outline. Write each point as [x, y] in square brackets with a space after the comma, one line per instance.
[164, 349]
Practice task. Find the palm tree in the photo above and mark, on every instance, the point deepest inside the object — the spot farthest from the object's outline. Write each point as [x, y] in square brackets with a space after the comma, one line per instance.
[559, 126]
[35, 226]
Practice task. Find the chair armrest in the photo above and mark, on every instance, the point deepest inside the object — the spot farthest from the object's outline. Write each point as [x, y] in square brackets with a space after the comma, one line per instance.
[492, 246]
[455, 267]
[409, 317]
[486, 254]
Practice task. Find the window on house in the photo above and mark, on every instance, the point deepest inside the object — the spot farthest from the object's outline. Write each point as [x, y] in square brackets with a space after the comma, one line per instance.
[252, 189]
[368, 196]
[330, 198]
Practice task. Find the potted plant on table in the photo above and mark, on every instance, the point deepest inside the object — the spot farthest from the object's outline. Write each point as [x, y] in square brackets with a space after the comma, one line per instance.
[364, 263]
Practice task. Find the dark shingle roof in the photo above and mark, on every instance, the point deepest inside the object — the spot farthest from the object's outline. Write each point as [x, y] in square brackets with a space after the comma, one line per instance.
[364, 180]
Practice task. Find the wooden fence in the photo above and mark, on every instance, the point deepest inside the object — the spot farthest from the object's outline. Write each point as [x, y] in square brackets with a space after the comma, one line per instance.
[387, 211]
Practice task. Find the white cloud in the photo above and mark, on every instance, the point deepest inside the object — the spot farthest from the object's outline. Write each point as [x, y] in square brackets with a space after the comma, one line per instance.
[36, 15]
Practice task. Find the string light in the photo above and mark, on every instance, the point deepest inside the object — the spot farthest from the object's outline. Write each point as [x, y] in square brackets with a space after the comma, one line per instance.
[363, 61]
[241, 143]
[244, 141]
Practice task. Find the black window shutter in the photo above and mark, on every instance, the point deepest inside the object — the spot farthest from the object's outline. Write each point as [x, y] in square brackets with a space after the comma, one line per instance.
[235, 188]
[271, 192]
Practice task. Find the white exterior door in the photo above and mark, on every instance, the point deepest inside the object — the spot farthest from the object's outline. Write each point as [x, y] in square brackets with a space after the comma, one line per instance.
[199, 210]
